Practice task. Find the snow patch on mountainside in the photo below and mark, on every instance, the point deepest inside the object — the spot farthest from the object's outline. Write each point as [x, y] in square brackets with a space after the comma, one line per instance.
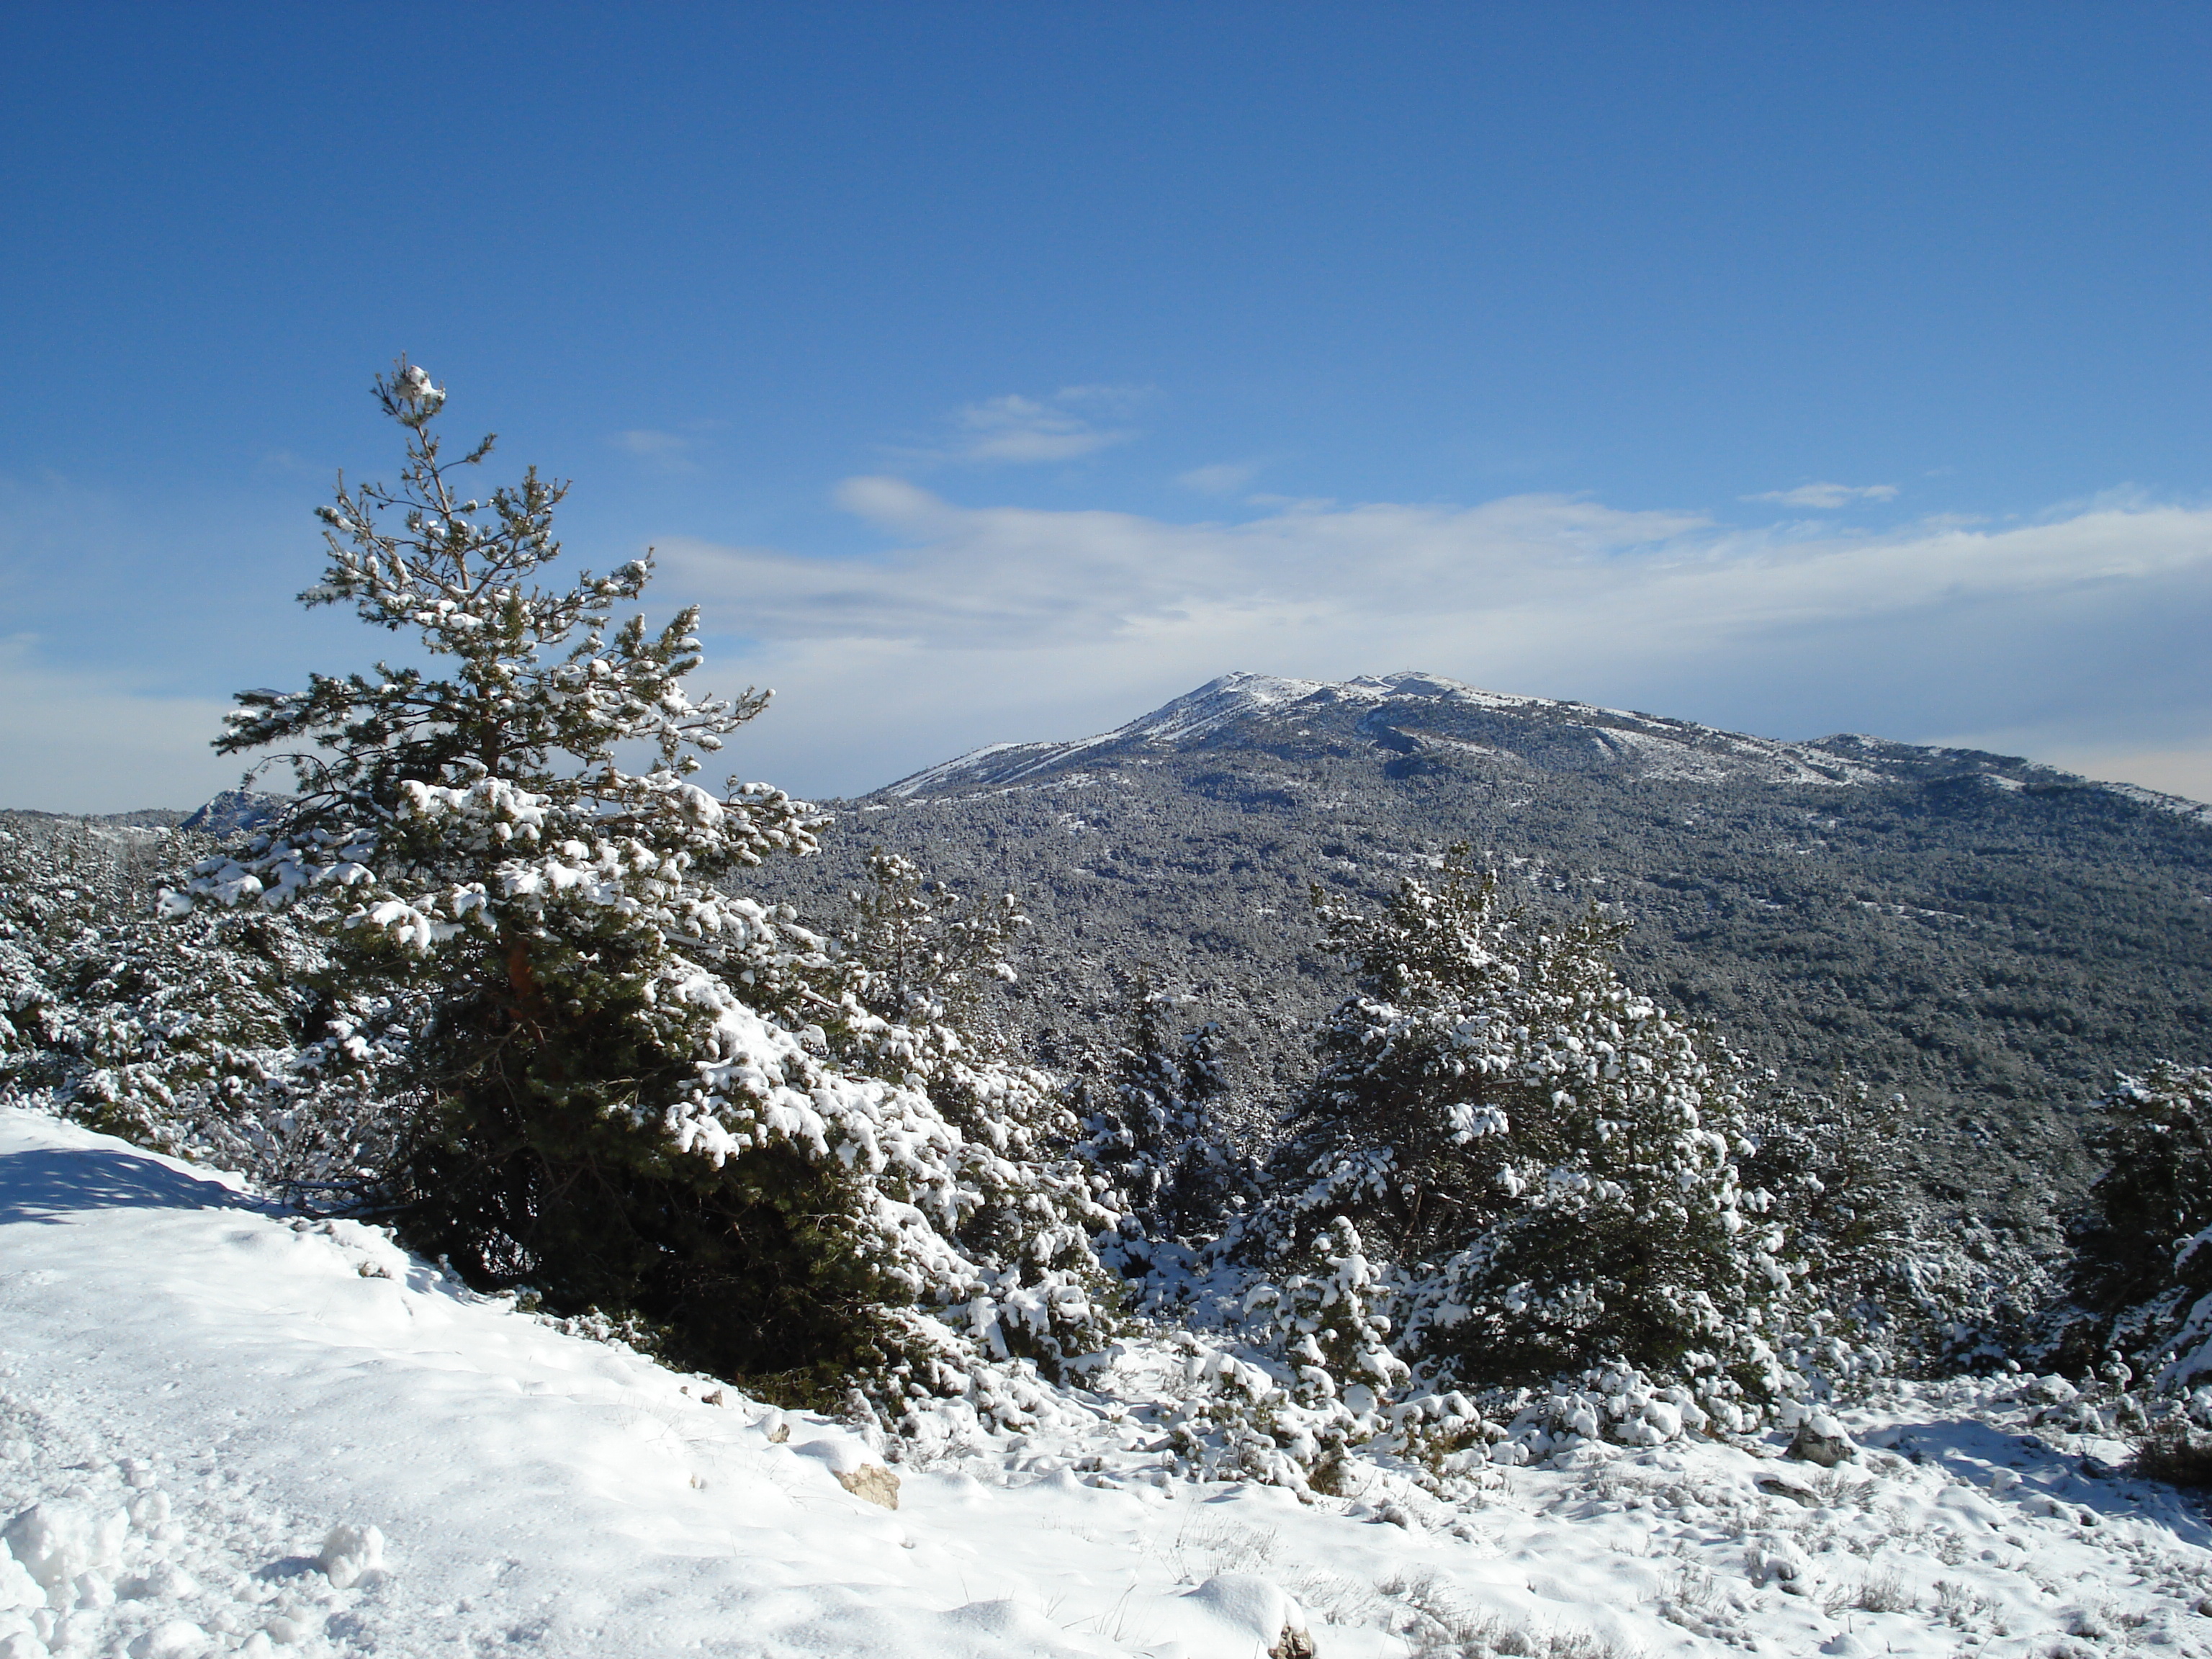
[1198, 715]
[2179, 805]
[1186, 719]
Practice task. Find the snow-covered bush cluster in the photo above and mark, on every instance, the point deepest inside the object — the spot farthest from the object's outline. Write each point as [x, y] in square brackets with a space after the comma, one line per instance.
[1168, 1161]
[1545, 1163]
[2142, 1279]
[226, 1036]
[1894, 1285]
[911, 965]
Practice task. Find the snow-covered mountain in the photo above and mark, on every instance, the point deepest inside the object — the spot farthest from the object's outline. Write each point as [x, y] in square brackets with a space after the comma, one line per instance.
[1414, 712]
[232, 811]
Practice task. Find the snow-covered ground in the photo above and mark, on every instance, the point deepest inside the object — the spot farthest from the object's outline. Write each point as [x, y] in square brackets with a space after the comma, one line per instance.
[206, 1406]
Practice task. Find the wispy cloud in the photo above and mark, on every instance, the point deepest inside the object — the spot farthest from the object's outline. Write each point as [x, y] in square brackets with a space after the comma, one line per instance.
[643, 440]
[1223, 478]
[285, 462]
[1008, 576]
[1827, 497]
[1074, 421]
[666, 451]
[1014, 576]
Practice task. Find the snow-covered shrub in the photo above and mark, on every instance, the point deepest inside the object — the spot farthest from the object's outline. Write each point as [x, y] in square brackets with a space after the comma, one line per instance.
[1888, 1283]
[1617, 1403]
[911, 965]
[2176, 1450]
[1826, 1168]
[220, 1035]
[643, 1091]
[2143, 1273]
[1330, 1323]
[1545, 1160]
[1153, 1131]
[918, 954]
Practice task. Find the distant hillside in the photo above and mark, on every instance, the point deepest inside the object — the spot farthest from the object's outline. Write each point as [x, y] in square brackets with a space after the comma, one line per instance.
[149, 817]
[1991, 936]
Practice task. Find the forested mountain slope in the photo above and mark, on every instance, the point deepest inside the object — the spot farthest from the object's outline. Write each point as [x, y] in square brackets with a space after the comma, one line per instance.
[1990, 936]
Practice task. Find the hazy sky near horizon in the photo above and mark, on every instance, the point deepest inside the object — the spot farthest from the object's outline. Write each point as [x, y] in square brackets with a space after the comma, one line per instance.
[996, 372]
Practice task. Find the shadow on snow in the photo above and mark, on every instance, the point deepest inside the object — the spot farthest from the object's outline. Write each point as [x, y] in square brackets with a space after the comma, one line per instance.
[50, 1184]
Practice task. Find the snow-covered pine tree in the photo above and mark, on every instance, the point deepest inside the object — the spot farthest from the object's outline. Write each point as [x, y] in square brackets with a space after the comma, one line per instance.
[1888, 1282]
[1545, 1159]
[55, 889]
[2143, 1273]
[916, 953]
[1153, 1129]
[631, 1098]
[128, 1026]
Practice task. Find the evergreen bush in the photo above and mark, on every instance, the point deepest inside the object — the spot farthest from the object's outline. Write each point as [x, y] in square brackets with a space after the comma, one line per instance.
[1885, 1286]
[914, 965]
[1154, 1131]
[1546, 1162]
[220, 1035]
[2174, 1451]
[2142, 1269]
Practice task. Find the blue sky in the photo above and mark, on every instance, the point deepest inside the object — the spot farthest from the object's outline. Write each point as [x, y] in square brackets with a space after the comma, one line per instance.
[998, 372]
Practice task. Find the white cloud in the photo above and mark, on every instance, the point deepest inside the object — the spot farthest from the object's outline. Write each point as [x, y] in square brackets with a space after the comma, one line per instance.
[1223, 478]
[2075, 638]
[1827, 497]
[1017, 429]
[1008, 577]
[663, 452]
[81, 742]
[985, 625]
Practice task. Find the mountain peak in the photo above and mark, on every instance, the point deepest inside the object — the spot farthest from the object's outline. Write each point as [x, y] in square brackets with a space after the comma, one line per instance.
[1414, 721]
[1232, 699]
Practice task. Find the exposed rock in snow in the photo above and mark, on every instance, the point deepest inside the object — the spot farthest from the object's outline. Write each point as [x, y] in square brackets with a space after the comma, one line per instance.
[873, 1482]
[849, 1460]
[1820, 1439]
[232, 811]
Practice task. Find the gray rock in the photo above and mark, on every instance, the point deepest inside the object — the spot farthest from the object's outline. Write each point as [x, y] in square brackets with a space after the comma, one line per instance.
[232, 811]
[1777, 1487]
[1820, 1439]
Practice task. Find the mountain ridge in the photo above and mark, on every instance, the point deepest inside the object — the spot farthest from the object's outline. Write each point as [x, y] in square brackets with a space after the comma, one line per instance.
[1841, 758]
